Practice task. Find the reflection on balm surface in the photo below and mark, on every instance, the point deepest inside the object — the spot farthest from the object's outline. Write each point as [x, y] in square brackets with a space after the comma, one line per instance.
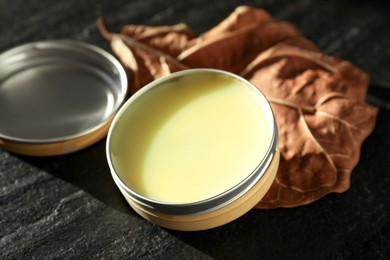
[190, 138]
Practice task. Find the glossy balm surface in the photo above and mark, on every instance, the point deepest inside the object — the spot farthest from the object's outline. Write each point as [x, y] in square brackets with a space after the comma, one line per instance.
[190, 138]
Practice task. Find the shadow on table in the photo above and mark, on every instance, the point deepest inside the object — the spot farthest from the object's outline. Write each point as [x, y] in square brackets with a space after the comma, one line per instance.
[87, 170]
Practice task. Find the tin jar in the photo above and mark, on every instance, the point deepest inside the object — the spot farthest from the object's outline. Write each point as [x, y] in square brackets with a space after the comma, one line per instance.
[194, 150]
[57, 96]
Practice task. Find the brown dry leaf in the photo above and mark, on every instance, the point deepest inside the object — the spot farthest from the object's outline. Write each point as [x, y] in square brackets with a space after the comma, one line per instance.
[142, 60]
[318, 100]
[322, 121]
[171, 40]
[243, 16]
[147, 62]
[232, 51]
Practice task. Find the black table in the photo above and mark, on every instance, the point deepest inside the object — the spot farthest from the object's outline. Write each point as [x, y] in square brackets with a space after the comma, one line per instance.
[69, 207]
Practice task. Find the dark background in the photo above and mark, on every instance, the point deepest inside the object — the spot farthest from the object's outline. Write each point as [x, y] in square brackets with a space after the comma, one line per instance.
[69, 207]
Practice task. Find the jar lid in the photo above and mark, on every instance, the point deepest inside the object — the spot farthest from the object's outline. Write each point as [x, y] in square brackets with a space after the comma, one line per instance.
[58, 96]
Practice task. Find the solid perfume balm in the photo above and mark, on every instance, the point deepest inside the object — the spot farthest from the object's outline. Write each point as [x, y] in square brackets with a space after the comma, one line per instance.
[192, 144]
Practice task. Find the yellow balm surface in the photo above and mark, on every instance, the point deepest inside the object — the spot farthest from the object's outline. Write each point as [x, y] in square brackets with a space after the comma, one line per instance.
[190, 138]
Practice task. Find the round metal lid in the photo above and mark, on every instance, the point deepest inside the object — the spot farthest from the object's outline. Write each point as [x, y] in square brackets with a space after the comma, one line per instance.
[57, 91]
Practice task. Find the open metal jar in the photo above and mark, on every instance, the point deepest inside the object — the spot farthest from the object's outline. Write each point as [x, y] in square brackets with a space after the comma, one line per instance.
[194, 150]
[57, 96]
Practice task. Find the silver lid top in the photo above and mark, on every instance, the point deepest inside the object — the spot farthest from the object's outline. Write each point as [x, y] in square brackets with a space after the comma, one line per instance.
[53, 91]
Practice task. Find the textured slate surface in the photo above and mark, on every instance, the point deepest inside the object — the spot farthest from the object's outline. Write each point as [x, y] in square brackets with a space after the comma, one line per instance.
[68, 206]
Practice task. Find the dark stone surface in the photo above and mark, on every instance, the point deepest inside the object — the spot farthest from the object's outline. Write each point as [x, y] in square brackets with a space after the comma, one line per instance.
[69, 207]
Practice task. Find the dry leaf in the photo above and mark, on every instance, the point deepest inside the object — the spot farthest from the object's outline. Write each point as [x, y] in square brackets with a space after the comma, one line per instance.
[145, 62]
[322, 121]
[171, 40]
[318, 100]
[232, 51]
[242, 17]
